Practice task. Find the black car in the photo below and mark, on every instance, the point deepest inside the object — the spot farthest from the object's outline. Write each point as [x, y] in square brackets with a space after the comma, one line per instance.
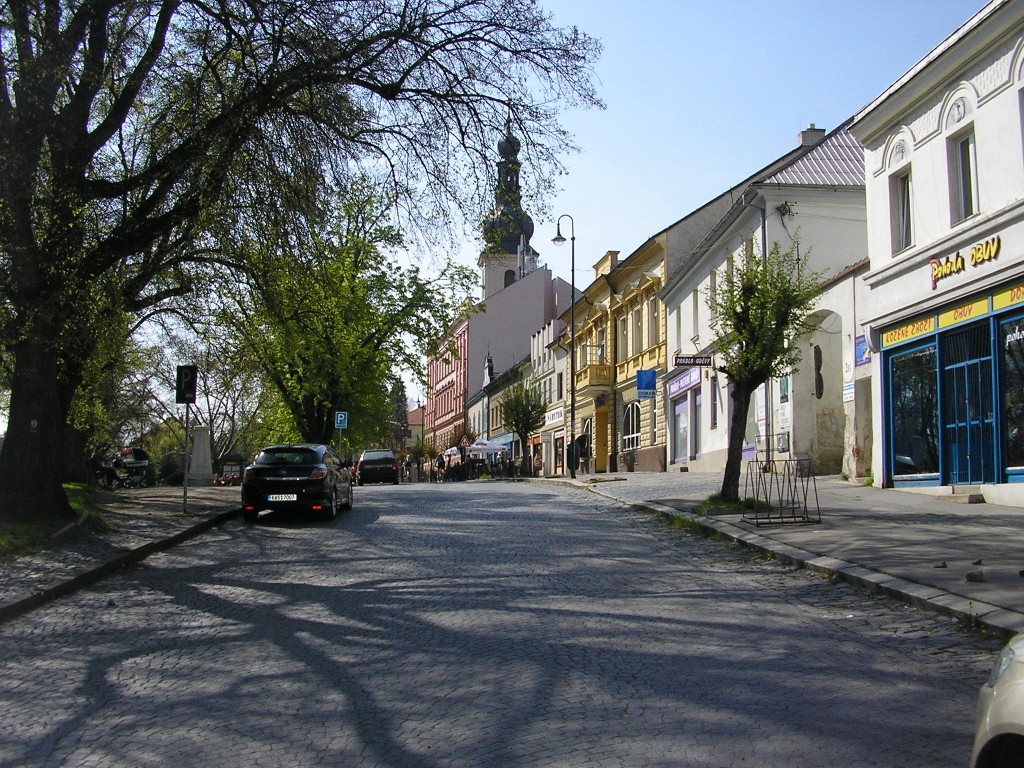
[378, 466]
[296, 478]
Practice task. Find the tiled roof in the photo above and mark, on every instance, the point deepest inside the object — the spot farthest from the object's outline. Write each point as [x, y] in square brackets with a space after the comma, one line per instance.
[838, 161]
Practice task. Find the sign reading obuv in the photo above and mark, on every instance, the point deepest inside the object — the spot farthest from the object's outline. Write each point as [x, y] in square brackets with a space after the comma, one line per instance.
[693, 361]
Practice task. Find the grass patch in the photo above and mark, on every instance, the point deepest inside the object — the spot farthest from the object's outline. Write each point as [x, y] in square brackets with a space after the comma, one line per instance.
[20, 539]
[716, 503]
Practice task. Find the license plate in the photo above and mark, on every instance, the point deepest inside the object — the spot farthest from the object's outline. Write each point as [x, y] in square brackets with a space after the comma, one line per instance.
[283, 497]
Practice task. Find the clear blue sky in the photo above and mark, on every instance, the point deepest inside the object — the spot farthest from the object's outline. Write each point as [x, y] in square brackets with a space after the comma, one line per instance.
[702, 93]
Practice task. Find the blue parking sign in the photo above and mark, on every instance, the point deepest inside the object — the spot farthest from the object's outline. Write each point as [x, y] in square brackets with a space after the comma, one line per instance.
[646, 381]
[341, 419]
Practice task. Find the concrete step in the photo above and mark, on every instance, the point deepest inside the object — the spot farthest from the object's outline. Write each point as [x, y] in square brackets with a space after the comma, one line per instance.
[967, 494]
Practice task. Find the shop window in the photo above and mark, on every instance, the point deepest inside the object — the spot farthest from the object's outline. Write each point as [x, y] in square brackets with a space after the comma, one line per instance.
[681, 433]
[713, 291]
[713, 416]
[915, 412]
[695, 428]
[963, 185]
[695, 301]
[901, 202]
[631, 427]
[1013, 385]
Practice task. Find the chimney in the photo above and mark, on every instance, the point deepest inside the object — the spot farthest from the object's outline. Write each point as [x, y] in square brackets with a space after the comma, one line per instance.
[810, 136]
[607, 263]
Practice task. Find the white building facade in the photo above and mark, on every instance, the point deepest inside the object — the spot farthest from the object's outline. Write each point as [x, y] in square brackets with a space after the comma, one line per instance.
[944, 158]
[813, 196]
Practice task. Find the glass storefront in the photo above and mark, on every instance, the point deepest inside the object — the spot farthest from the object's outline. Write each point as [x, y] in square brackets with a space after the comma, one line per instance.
[955, 404]
[914, 404]
[1011, 344]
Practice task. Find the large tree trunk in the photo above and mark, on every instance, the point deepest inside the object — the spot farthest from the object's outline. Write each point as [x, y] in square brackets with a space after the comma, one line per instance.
[31, 463]
[734, 454]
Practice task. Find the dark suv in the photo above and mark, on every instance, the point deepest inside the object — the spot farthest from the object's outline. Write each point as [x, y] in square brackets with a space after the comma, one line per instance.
[296, 478]
[378, 466]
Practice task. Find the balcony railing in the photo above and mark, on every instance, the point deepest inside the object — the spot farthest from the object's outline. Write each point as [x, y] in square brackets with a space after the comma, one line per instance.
[593, 376]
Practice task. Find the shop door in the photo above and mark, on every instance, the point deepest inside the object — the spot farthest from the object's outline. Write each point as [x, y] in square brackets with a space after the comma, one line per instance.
[967, 409]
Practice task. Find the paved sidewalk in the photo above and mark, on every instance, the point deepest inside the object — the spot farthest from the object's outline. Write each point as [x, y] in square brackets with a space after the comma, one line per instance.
[143, 520]
[918, 547]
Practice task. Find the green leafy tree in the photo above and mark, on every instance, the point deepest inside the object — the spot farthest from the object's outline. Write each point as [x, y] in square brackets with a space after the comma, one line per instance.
[759, 311]
[122, 126]
[330, 316]
[522, 412]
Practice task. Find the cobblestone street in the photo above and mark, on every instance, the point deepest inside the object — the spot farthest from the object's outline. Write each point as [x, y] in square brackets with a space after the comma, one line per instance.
[482, 625]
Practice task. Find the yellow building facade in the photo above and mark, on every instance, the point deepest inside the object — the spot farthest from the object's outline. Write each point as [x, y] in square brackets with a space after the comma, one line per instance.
[620, 332]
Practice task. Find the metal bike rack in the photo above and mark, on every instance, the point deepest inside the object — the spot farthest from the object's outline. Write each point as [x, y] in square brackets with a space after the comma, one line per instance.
[784, 491]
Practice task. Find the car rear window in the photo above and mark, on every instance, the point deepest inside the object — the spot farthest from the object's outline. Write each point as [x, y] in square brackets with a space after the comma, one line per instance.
[287, 456]
[370, 455]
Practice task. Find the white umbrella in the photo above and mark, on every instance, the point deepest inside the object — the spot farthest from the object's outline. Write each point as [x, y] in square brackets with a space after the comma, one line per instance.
[484, 447]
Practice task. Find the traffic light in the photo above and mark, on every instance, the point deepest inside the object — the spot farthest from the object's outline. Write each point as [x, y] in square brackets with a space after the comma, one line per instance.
[185, 384]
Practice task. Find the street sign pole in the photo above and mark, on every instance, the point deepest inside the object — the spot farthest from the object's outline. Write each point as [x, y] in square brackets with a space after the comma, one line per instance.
[340, 423]
[188, 459]
[185, 383]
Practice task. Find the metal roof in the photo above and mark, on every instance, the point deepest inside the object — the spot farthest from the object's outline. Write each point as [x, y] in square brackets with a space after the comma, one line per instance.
[836, 161]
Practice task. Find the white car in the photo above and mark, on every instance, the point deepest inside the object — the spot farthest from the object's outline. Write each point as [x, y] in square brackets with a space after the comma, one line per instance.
[999, 733]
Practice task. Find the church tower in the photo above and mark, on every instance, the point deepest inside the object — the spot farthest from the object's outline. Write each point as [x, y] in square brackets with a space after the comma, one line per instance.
[507, 254]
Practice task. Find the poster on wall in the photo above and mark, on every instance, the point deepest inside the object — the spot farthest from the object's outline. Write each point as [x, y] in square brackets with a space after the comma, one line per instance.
[862, 355]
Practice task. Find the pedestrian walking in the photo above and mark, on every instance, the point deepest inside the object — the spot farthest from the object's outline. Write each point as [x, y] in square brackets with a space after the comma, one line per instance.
[440, 467]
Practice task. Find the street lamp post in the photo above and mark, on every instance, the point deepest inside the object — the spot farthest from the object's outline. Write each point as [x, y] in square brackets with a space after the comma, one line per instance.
[558, 240]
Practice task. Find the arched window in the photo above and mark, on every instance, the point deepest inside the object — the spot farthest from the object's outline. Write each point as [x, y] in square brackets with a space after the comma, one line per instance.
[631, 426]
[586, 440]
[510, 277]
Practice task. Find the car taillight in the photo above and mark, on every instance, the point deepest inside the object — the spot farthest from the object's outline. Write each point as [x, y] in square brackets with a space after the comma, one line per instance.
[394, 465]
[318, 474]
[249, 474]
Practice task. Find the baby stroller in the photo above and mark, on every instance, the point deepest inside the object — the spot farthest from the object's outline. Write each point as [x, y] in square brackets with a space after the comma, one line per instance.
[131, 467]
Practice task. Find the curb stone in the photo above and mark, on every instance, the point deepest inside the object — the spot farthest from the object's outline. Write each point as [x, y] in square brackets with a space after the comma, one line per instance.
[128, 559]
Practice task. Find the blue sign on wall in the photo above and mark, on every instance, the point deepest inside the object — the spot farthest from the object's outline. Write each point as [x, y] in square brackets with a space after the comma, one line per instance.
[646, 381]
[862, 355]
